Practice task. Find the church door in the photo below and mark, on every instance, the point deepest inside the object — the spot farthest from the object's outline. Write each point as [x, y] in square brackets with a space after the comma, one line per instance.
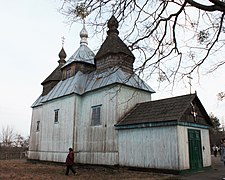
[195, 149]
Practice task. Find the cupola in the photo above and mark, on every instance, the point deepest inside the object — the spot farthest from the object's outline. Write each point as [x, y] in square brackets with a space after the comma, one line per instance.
[55, 76]
[82, 60]
[114, 53]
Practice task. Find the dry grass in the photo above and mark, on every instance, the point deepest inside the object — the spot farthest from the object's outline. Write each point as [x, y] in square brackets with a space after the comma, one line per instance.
[22, 169]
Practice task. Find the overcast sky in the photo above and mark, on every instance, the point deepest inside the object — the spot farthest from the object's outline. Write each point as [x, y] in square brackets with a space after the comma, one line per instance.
[30, 40]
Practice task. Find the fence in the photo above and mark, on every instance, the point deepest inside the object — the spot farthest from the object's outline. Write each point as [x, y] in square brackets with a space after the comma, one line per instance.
[5, 155]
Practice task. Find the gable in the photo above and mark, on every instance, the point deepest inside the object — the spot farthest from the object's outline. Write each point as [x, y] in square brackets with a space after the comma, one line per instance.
[196, 113]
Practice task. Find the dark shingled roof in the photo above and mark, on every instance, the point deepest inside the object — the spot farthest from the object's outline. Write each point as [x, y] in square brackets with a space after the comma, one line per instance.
[56, 75]
[113, 44]
[171, 109]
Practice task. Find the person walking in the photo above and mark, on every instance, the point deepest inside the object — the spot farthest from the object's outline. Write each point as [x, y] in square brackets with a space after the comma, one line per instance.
[215, 150]
[223, 151]
[70, 162]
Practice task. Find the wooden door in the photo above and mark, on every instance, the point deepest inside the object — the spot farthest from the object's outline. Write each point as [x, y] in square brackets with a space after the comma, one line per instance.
[195, 149]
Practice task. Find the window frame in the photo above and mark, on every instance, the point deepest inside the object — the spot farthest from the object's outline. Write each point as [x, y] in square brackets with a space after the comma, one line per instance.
[68, 73]
[56, 116]
[38, 125]
[96, 115]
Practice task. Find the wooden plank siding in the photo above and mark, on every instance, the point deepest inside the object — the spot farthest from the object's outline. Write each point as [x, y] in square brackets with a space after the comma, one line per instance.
[34, 142]
[58, 137]
[98, 144]
[206, 153]
[92, 144]
[149, 147]
[183, 152]
[160, 147]
[55, 138]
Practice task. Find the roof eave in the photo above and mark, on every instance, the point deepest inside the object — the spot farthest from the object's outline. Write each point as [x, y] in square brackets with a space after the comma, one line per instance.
[158, 124]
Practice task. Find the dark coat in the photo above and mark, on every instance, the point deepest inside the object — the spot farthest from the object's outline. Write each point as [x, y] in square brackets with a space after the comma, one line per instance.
[70, 158]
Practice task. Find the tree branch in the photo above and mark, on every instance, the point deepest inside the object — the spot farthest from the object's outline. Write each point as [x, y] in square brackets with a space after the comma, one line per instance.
[205, 7]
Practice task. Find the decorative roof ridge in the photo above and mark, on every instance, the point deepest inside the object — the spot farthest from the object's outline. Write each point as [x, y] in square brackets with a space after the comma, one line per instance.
[113, 24]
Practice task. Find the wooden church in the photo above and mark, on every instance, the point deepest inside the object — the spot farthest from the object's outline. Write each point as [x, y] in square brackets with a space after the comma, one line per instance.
[97, 105]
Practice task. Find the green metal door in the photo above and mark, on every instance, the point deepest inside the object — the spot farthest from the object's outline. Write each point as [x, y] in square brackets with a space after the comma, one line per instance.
[195, 149]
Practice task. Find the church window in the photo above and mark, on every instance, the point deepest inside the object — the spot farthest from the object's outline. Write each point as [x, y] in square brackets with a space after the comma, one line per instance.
[96, 115]
[56, 119]
[68, 73]
[38, 126]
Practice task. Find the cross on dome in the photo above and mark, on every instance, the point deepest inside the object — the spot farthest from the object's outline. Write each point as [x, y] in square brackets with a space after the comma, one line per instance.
[63, 40]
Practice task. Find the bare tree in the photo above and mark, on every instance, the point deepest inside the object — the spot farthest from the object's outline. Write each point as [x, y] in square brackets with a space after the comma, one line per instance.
[7, 136]
[171, 38]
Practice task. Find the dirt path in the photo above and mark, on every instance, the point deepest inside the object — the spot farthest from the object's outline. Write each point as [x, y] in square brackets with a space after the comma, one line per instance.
[21, 169]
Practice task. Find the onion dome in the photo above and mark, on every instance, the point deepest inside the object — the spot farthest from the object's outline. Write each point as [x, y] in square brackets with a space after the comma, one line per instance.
[62, 54]
[84, 36]
[83, 53]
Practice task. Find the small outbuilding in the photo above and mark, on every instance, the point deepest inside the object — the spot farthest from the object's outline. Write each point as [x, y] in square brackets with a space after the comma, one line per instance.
[169, 134]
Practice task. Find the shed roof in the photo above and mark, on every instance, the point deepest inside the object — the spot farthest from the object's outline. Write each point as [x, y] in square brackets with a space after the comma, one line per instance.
[164, 110]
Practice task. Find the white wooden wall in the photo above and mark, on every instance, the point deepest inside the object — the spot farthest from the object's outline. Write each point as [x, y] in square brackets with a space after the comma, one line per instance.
[149, 147]
[55, 138]
[58, 137]
[207, 152]
[183, 152]
[128, 98]
[159, 147]
[98, 144]
[92, 144]
[34, 143]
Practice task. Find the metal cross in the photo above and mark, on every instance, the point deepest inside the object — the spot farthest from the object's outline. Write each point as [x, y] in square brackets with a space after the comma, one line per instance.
[63, 40]
[113, 7]
[194, 113]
